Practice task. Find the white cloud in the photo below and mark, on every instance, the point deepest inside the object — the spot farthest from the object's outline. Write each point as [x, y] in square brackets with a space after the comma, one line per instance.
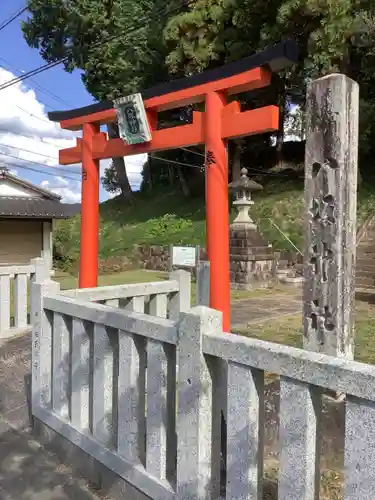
[27, 135]
[69, 191]
[134, 166]
[21, 112]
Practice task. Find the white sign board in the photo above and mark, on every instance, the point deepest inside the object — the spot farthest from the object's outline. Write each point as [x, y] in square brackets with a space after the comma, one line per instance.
[184, 256]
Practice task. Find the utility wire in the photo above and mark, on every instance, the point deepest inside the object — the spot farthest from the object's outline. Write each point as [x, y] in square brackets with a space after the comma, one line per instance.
[38, 164]
[12, 18]
[32, 114]
[47, 66]
[193, 152]
[41, 89]
[38, 86]
[176, 162]
[254, 170]
[43, 172]
[34, 72]
[28, 151]
[250, 169]
[38, 139]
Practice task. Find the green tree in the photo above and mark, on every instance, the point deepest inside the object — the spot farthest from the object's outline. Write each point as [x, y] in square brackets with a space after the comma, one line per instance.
[215, 31]
[334, 35]
[110, 180]
[114, 43]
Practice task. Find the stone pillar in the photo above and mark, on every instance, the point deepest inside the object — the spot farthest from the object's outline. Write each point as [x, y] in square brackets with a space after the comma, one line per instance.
[251, 257]
[47, 252]
[331, 201]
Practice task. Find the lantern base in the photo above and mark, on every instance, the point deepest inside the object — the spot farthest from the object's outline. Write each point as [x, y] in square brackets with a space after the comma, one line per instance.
[252, 260]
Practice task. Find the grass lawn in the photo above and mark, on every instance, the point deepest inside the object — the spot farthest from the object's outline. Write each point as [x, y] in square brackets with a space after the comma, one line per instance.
[287, 330]
[166, 217]
[68, 281]
[141, 276]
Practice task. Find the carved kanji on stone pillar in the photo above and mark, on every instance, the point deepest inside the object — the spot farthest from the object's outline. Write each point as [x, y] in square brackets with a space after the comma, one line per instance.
[331, 199]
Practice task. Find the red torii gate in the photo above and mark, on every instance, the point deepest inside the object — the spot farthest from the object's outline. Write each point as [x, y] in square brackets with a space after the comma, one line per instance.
[213, 127]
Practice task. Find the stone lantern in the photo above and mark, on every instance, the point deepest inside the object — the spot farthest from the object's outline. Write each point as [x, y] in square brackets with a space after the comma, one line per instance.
[242, 190]
[251, 257]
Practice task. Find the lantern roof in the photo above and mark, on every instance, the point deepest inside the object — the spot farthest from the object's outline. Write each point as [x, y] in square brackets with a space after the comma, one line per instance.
[244, 183]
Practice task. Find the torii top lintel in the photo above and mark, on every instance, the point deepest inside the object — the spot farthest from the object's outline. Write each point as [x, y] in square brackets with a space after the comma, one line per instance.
[247, 74]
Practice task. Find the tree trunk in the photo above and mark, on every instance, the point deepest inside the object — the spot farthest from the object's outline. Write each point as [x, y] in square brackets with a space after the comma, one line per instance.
[119, 165]
[183, 182]
[148, 172]
[171, 175]
[236, 160]
[280, 132]
[281, 102]
[360, 179]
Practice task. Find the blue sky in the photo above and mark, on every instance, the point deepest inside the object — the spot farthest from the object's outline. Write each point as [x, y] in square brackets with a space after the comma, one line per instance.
[23, 121]
[68, 86]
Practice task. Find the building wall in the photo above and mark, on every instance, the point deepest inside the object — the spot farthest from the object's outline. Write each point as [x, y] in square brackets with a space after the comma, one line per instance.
[20, 241]
[9, 188]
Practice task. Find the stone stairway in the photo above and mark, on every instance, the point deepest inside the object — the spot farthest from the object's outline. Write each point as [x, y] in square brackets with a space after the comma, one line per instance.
[365, 270]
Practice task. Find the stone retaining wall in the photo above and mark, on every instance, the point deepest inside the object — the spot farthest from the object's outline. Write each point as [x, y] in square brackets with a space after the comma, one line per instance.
[288, 258]
[156, 258]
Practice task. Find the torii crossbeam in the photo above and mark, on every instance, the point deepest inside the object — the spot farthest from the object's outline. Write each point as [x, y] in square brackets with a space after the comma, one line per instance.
[219, 122]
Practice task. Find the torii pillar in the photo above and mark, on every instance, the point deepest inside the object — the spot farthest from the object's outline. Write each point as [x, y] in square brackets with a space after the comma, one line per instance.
[89, 251]
[217, 202]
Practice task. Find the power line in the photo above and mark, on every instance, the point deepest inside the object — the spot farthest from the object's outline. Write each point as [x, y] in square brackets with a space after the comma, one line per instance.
[39, 87]
[193, 152]
[38, 139]
[252, 169]
[47, 66]
[34, 72]
[28, 151]
[36, 163]
[32, 114]
[177, 162]
[12, 18]
[43, 172]
[264, 172]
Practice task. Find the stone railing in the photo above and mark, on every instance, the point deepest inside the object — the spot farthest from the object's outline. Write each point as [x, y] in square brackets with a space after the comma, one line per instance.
[15, 287]
[148, 430]
[141, 297]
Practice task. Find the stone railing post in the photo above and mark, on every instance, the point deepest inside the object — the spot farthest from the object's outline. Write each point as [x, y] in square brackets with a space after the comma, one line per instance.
[42, 270]
[4, 303]
[203, 284]
[42, 273]
[42, 324]
[180, 301]
[331, 201]
[198, 421]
